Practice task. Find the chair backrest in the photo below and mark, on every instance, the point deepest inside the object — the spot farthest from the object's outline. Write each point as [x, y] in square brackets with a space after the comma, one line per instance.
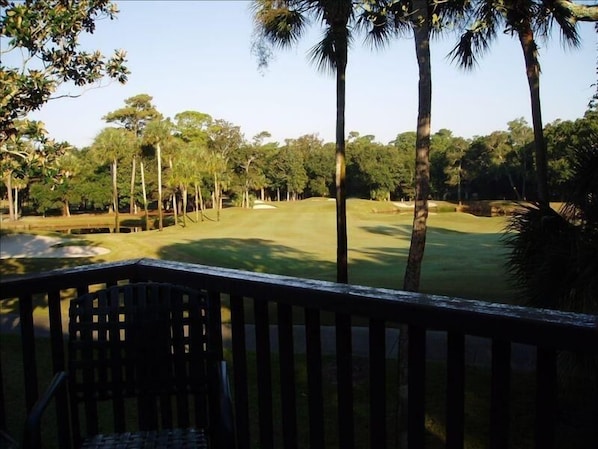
[141, 350]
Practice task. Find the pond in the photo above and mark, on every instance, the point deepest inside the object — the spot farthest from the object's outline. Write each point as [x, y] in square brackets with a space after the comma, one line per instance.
[99, 230]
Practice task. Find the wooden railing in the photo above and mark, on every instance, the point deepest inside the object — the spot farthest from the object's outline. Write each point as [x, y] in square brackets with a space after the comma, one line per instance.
[281, 332]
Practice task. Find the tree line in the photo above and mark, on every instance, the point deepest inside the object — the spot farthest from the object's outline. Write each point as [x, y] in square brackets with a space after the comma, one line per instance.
[203, 160]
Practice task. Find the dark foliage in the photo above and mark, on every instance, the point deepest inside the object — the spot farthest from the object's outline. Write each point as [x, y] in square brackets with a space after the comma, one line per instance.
[554, 255]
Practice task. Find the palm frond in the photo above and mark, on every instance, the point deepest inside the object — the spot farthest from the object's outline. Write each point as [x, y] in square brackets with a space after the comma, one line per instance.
[582, 200]
[324, 54]
[553, 257]
[278, 22]
[472, 44]
[379, 29]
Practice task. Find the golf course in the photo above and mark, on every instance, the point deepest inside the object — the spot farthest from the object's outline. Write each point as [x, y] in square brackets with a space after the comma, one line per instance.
[464, 254]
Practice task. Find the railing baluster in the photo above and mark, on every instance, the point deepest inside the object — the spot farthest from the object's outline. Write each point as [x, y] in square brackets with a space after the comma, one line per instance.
[2, 399]
[546, 398]
[239, 347]
[499, 401]
[417, 386]
[344, 374]
[58, 362]
[28, 342]
[288, 390]
[264, 373]
[377, 351]
[455, 391]
[314, 379]
[215, 323]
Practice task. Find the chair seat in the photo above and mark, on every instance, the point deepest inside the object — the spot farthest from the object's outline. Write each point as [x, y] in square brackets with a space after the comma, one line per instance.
[162, 439]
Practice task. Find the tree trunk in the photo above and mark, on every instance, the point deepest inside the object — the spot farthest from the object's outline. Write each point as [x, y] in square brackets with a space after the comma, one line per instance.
[201, 205]
[175, 208]
[11, 205]
[115, 197]
[132, 200]
[142, 169]
[184, 200]
[217, 197]
[66, 209]
[422, 190]
[342, 273]
[17, 203]
[422, 153]
[196, 204]
[160, 217]
[532, 67]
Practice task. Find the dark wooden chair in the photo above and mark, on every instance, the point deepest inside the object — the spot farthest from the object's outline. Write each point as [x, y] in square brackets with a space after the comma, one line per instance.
[142, 372]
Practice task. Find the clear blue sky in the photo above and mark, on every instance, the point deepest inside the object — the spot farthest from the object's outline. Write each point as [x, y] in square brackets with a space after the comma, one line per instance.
[196, 55]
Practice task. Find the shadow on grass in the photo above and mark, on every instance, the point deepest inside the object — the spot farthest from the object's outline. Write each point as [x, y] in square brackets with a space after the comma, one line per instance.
[256, 255]
[18, 266]
[456, 263]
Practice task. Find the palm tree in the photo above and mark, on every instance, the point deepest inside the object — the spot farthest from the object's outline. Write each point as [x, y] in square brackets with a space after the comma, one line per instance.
[282, 23]
[554, 256]
[111, 144]
[138, 111]
[158, 133]
[387, 19]
[527, 19]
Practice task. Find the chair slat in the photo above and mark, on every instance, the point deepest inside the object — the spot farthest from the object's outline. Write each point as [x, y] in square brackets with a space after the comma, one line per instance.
[114, 336]
[146, 341]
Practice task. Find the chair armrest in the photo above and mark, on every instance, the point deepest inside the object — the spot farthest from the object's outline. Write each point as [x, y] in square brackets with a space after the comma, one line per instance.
[32, 429]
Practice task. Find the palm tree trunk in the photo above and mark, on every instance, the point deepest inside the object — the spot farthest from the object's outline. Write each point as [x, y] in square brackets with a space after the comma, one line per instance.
[175, 208]
[422, 189]
[17, 203]
[142, 169]
[115, 197]
[11, 205]
[422, 155]
[342, 271]
[184, 200]
[132, 200]
[196, 203]
[159, 156]
[532, 67]
[200, 201]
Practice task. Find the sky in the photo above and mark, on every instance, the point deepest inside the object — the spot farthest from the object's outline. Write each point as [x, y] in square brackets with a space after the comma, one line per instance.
[196, 55]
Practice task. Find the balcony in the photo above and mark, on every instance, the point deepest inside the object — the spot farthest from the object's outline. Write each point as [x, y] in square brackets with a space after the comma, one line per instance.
[314, 363]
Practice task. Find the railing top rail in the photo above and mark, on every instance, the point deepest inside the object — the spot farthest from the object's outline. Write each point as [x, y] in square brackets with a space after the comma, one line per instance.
[502, 321]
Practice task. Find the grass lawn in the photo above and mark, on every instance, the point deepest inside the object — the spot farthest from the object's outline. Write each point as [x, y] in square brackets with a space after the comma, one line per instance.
[464, 256]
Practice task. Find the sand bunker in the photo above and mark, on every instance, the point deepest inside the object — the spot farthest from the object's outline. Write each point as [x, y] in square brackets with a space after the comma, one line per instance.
[18, 246]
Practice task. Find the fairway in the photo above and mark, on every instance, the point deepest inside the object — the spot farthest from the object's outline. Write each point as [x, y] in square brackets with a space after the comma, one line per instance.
[464, 256]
